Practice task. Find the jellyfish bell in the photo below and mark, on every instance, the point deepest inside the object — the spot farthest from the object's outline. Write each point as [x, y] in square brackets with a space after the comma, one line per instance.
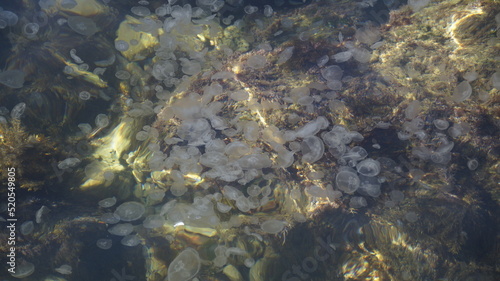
[82, 25]
[185, 266]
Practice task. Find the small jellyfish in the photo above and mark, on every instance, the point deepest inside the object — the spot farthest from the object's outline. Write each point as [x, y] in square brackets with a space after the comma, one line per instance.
[140, 11]
[347, 181]
[18, 110]
[130, 211]
[110, 218]
[104, 244]
[9, 17]
[411, 216]
[68, 69]
[273, 226]
[31, 29]
[357, 202]
[108, 202]
[12, 78]
[472, 164]
[84, 95]
[122, 75]
[68, 4]
[185, 266]
[130, 240]
[82, 25]
[121, 45]
[250, 9]
[368, 167]
[268, 11]
[441, 124]
[64, 269]
[27, 228]
[101, 120]
[24, 269]
[122, 229]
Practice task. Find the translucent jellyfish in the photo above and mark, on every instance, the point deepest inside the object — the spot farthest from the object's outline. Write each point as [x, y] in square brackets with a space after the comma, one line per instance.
[185, 266]
[101, 120]
[9, 17]
[285, 55]
[85, 128]
[27, 227]
[462, 92]
[46, 4]
[368, 167]
[411, 216]
[104, 243]
[161, 11]
[312, 128]
[256, 61]
[84, 95]
[130, 240]
[31, 29]
[130, 211]
[368, 34]
[12, 78]
[121, 45]
[495, 80]
[369, 186]
[397, 196]
[190, 67]
[472, 164]
[243, 204]
[64, 269]
[110, 218]
[441, 158]
[121, 229]
[108, 202]
[18, 110]
[357, 202]
[268, 11]
[82, 25]
[253, 190]
[68, 163]
[255, 161]
[68, 4]
[273, 226]
[342, 56]
[250, 9]
[347, 181]
[249, 262]
[140, 11]
[334, 85]
[213, 159]
[355, 154]
[413, 109]
[332, 73]
[441, 124]
[41, 213]
[154, 221]
[231, 193]
[312, 149]
[68, 69]
[223, 208]
[123, 75]
[24, 269]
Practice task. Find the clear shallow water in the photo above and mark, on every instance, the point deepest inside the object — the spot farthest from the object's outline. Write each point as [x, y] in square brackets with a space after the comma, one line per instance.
[301, 141]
